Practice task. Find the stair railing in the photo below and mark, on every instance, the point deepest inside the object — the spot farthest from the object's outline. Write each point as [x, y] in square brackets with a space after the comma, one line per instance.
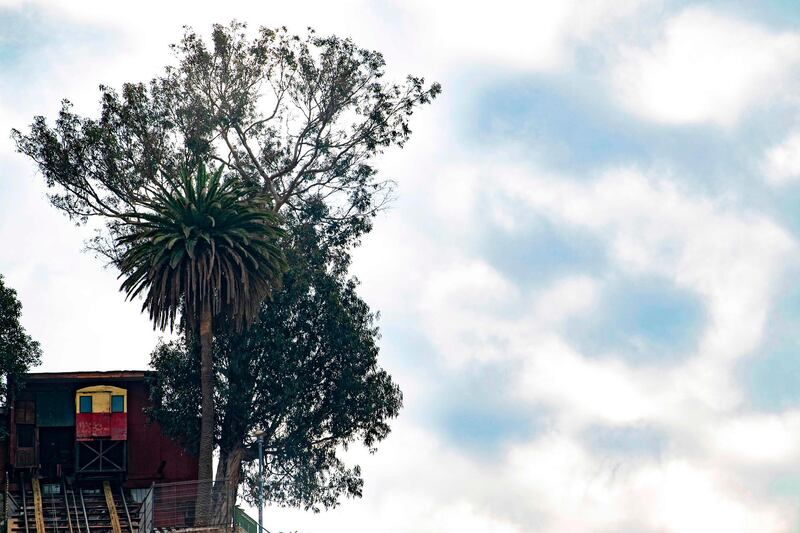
[146, 513]
[24, 503]
[127, 512]
[66, 506]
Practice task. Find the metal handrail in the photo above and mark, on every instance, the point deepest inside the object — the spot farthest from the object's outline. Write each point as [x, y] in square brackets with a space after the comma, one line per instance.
[24, 502]
[127, 512]
[85, 516]
[66, 506]
[146, 517]
[75, 508]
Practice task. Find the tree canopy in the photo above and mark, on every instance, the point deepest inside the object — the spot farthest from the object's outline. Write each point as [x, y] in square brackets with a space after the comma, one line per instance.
[306, 373]
[297, 117]
[18, 351]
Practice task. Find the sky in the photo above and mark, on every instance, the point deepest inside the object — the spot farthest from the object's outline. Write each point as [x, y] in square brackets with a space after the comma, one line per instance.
[587, 284]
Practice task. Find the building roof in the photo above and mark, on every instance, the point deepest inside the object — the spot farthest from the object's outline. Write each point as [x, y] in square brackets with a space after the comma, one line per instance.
[90, 375]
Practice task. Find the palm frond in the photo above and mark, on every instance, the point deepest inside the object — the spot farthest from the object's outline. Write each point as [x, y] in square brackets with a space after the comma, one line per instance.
[201, 241]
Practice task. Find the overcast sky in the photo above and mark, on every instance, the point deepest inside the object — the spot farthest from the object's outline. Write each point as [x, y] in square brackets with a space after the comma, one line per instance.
[588, 285]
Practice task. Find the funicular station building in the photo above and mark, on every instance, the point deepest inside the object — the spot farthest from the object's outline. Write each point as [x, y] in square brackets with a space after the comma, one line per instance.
[80, 455]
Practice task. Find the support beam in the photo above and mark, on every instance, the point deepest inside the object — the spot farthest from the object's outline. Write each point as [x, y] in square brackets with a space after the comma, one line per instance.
[37, 505]
[112, 509]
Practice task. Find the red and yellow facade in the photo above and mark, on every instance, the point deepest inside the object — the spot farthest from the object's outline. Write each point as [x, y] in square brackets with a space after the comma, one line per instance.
[90, 425]
[101, 412]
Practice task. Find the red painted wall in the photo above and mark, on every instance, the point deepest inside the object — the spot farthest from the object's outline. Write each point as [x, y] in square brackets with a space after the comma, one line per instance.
[89, 426]
[148, 448]
[119, 426]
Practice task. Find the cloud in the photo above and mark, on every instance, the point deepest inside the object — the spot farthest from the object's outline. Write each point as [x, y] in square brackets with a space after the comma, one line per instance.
[759, 440]
[706, 67]
[588, 494]
[782, 162]
[71, 305]
[532, 36]
[729, 258]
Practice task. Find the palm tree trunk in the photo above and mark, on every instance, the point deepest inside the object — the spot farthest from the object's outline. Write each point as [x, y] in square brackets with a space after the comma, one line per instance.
[204, 460]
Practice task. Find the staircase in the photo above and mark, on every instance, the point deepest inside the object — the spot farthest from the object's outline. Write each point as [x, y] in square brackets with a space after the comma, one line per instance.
[98, 508]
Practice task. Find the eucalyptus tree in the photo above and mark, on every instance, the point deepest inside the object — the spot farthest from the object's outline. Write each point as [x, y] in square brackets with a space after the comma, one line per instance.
[205, 247]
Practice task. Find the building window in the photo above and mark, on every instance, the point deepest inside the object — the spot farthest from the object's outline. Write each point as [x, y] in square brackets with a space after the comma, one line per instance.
[117, 404]
[86, 404]
[25, 436]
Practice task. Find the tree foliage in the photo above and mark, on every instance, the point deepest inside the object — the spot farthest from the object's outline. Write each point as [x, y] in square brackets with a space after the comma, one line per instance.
[18, 351]
[306, 373]
[298, 118]
[201, 241]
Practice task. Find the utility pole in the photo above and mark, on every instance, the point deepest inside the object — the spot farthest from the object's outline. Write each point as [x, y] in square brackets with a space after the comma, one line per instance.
[260, 437]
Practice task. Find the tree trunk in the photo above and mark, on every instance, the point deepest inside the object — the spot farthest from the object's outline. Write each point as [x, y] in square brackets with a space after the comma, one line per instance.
[204, 459]
[227, 490]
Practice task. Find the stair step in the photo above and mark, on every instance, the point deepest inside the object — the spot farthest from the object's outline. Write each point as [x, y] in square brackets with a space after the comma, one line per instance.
[59, 510]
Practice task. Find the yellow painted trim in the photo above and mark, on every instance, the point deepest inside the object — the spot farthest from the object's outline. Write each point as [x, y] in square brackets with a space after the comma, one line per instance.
[101, 398]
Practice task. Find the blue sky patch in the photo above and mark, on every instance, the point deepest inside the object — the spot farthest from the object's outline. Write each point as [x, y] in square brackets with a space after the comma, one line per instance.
[771, 376]
[476, 413]
[572, 124]
[641, 319]
[537, 251]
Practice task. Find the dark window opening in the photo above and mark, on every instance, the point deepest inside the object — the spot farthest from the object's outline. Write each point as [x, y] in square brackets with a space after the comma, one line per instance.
[117, 404]
[86, 404]
[25, 436]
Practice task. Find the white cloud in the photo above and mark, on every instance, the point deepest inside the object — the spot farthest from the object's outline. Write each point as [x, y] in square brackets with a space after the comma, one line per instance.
[552, 484]
[538, 35]
[585, 391]
[760, 440]
[706, 68]
[587, 494]
[455, 303]
[71, 305]
[685, 498]
[731, 259]
[782, 162]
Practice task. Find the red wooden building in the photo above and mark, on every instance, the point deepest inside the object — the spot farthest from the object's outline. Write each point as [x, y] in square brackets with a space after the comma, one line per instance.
[89, 425]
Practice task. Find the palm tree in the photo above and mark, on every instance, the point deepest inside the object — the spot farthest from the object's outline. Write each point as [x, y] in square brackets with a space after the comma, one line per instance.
[206, 247]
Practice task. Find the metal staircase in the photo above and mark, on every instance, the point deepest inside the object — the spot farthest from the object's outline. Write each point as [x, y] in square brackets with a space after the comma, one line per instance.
[95, 508]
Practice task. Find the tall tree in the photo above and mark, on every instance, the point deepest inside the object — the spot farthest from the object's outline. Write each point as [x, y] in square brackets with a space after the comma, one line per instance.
[297, 117]
[306, 373]
[18, 351]
[208, 248]
[300, 119]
